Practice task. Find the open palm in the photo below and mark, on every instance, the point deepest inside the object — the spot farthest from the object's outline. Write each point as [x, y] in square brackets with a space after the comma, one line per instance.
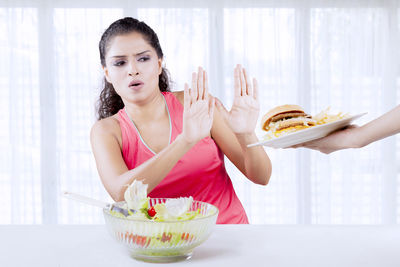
[198, 109]
[242, 118]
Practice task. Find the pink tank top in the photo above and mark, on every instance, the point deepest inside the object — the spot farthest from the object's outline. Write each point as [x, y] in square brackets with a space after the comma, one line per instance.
[200, 173]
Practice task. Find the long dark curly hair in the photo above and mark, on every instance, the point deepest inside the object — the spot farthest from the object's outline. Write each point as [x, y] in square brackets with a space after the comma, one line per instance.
[110, 102]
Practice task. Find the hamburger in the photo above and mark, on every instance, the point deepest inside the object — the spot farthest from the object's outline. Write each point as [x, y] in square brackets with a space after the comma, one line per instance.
[286, 119]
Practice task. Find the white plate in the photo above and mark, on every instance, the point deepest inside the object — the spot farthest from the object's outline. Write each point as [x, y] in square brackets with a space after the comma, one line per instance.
[308, 134]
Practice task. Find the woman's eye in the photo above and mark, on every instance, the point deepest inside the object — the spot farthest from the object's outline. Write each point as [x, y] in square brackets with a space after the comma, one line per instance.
[142, 59]
[119, 63]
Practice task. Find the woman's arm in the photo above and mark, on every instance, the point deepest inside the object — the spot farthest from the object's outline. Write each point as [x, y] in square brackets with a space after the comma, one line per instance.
[113, 171]
[356, 137]
[253, 162]
[233, 130]
[197, 122]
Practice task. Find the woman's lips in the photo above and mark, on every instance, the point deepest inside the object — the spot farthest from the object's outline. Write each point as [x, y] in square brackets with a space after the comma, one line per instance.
[136, 85]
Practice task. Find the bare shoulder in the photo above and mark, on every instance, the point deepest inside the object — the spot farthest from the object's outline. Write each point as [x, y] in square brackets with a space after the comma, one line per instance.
[106, 128]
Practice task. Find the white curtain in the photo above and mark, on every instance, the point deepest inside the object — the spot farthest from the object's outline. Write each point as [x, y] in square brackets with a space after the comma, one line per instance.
[342, 54]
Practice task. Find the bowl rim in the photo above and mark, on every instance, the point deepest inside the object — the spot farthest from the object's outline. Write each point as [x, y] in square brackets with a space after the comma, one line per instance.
[106, 211]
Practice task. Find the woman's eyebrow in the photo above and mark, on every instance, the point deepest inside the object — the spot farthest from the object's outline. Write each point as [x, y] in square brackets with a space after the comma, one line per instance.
[138, 54]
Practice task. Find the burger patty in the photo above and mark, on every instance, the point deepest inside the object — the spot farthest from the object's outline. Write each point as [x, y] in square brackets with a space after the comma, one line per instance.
[289, 115]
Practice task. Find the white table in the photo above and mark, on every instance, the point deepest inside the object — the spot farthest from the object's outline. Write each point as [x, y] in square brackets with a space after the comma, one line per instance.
[229, 245]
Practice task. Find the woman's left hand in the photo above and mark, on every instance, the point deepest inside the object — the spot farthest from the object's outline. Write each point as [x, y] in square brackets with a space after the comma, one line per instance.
[242, 118]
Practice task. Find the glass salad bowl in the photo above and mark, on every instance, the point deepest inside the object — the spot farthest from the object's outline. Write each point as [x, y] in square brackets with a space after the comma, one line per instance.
[162, 241]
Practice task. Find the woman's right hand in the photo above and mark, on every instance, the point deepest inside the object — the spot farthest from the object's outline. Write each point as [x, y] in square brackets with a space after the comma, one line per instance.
[198, 109]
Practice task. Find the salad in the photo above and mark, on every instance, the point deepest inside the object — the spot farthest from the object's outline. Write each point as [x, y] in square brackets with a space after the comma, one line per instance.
[150, 237]
[137, 205]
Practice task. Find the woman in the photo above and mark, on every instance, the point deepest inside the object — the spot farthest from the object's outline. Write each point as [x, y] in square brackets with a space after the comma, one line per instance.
[357, 137]
[173, 141]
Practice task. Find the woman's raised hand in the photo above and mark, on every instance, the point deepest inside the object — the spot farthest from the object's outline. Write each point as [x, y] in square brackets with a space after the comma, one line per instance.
[242, 118]
[198, 109]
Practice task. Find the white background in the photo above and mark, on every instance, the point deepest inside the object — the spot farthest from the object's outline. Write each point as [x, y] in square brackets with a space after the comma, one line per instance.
[342, 54]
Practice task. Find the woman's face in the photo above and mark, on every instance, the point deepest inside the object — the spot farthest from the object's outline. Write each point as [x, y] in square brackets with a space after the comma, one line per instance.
[132, 67]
